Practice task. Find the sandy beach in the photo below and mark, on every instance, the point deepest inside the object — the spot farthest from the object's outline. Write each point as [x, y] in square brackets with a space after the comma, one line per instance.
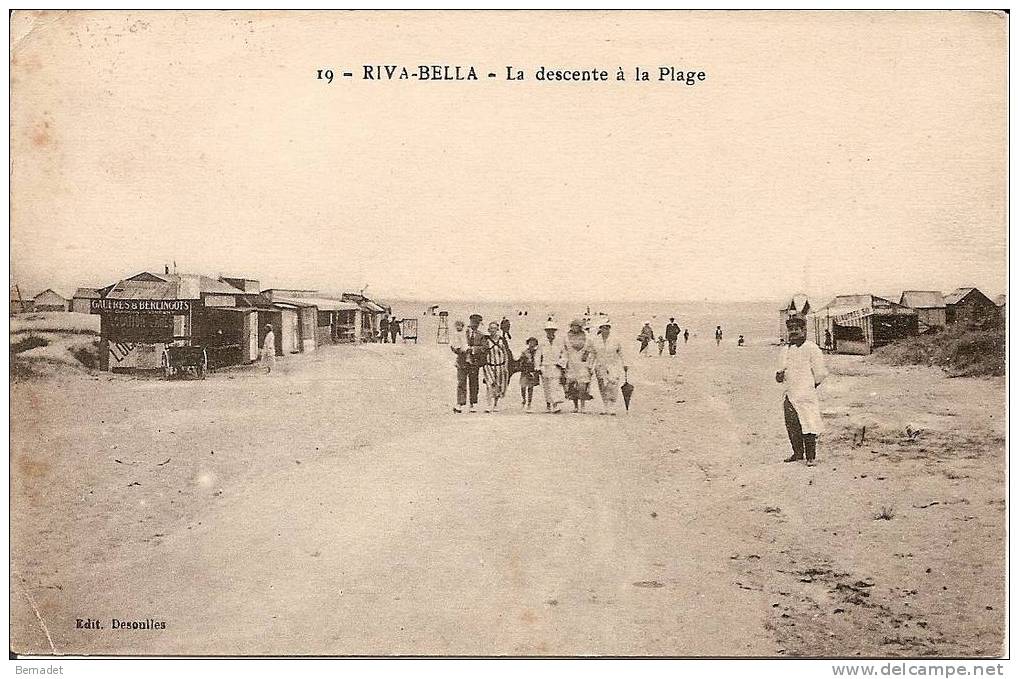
[339, 507]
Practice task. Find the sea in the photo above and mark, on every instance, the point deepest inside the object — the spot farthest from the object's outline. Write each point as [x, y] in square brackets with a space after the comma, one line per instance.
[758, 322]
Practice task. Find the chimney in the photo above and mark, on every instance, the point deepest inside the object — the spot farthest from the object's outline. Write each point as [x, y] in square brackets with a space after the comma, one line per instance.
[166, 268]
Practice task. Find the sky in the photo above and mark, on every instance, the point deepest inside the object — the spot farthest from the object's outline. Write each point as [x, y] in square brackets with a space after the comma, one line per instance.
[824, 153]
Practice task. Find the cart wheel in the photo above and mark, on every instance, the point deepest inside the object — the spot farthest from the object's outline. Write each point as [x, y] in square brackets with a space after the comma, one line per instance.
[165, 363]
[203, 367]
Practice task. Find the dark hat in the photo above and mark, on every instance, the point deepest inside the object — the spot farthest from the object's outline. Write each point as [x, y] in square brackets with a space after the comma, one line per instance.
[475, 317]
[531, 339]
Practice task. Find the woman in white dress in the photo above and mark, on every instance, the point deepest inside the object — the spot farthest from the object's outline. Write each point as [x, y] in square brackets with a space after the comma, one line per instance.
[610, 366]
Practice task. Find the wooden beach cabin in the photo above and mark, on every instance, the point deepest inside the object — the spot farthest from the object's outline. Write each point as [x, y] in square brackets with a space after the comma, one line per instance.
[970, 308]
[142, 314]
[48, 300]
[81, 302]
[861, 323]
[930, 309]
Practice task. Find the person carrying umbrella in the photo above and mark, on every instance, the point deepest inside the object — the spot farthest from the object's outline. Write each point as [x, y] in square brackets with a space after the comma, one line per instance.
[646, 336]
[610, 365]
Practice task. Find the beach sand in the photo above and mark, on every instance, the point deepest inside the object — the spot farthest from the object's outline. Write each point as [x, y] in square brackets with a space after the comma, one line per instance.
[339, 507]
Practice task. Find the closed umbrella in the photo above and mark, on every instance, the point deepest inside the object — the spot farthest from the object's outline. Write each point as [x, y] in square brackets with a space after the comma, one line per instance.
[627, 390]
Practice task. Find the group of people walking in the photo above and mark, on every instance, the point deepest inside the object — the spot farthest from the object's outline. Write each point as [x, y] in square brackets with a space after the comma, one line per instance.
[563, 368]
[670, 336]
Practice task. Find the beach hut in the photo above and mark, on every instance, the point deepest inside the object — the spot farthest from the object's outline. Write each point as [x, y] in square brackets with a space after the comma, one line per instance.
[969, 307]
[81, 301]
[142, 314]
[930, 309]
[799, 305]
[860, 323]
[372, 312]
[48, 300]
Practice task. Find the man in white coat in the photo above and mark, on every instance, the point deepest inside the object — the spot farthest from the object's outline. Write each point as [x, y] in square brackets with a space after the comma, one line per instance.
[801, 370]
[549, 363]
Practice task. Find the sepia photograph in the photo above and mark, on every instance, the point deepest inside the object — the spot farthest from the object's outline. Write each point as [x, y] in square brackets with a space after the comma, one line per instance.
[509, 334]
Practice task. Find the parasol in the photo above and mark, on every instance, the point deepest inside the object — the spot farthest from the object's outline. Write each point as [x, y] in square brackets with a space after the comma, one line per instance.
[627, 390]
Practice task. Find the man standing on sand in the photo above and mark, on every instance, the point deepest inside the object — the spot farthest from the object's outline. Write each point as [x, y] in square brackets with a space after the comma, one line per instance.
[801, 369]
[686, 335]
[394, 329]
[458, 344]
[477, 352]
[384, 329]
[672, 335]
[718, 335]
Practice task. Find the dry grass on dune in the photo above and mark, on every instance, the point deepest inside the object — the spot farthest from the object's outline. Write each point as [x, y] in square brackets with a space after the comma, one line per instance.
[960, 352]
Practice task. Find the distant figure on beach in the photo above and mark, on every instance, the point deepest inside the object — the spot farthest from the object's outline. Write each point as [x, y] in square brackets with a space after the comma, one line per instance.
[458, 344]
[672, 335]
[801, 369]
[504, 326]
[827, 340]
[529, 378]
[661, 344]
[718, 335]
[686, 335]
[395, 329]
[476, 352]
[646, 336]
[610, 366]
[384, 329]
[739, 342]
[267, 356]
[579, 357]
[549, 363]
[497, 367]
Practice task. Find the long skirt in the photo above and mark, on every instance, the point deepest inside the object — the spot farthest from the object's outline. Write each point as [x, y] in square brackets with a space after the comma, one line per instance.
[553, 387]
[497, 378]
[608, 385]
[578, 390]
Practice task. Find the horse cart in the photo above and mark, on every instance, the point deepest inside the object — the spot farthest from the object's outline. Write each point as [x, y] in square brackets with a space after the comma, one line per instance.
[181, 361]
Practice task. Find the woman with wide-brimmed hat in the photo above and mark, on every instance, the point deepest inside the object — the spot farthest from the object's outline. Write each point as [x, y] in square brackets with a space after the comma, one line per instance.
[579, 356]
[610, 365]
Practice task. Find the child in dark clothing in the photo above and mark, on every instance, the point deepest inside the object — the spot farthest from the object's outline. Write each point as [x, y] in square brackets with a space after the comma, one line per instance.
[529, 377]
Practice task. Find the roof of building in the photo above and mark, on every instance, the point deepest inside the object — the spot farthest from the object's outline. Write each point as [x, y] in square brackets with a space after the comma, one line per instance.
[796, 303]
[365, 302]
[322, 303]
[147, 285]
[955, 296]
[143, 289]
[86, 293]
[51, 293]
[843, 304]
[922, 299]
